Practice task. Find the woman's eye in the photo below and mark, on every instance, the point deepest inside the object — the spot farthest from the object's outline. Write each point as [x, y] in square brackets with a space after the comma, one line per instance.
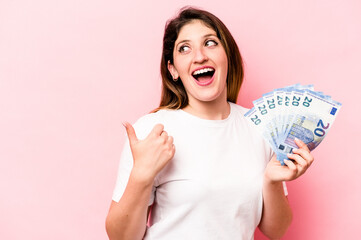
[183, 49]
[210, 43]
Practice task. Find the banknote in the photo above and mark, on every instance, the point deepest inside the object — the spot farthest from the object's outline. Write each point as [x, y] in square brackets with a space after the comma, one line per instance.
[296, 111]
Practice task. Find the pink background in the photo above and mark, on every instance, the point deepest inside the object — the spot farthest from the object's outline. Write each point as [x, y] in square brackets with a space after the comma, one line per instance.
[71, 71]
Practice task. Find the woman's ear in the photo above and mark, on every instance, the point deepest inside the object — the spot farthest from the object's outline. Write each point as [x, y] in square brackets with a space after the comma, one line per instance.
[172, 70]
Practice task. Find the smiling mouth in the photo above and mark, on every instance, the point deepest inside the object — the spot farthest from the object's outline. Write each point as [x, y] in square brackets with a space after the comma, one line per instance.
[203, 75]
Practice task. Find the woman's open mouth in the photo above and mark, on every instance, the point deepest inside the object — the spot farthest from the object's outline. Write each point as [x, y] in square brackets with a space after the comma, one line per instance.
[204, 76]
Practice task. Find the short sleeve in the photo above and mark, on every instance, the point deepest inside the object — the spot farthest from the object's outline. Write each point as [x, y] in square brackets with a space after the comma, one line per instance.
[124, 170]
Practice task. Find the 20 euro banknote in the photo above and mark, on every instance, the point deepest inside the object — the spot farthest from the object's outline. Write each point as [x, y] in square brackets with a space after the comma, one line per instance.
[293, 112]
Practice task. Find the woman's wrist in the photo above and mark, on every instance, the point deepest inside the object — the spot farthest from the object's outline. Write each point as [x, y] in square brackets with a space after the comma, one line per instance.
[142, 176]
[269, 181]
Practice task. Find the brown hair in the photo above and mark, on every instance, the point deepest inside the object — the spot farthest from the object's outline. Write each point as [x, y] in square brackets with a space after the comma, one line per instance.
[174, 95]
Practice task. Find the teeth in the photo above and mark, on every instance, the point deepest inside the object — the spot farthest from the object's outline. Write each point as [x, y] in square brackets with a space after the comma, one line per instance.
[202, 71]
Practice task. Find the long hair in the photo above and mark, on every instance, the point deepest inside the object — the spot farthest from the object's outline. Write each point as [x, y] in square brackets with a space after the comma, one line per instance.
[174, 95]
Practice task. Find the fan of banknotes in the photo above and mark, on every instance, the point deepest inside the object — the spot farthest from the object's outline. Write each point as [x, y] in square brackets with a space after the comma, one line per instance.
[293, 112]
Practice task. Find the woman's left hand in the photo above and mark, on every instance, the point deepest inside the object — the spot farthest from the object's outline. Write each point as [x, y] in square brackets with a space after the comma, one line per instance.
[302, 161]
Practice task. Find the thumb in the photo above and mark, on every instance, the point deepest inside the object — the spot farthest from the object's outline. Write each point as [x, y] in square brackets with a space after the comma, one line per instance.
[130, 132]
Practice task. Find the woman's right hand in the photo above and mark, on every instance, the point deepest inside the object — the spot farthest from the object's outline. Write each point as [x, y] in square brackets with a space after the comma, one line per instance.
[151, 154]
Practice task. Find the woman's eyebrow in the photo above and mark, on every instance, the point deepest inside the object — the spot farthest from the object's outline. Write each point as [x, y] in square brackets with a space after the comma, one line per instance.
[210, 35]
[183, 41]
[204, 36]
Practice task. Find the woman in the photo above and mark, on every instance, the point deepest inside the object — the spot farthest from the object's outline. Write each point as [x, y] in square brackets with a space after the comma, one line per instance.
[195, 168]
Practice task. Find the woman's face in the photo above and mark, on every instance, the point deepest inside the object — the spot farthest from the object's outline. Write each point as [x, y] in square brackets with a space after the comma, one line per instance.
[201, 62]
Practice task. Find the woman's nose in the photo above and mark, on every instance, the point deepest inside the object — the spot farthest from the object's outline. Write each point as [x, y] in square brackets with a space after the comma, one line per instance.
[200, 56]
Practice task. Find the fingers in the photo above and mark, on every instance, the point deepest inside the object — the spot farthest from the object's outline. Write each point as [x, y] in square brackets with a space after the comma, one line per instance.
[164, 134]
[296, 165]
[300, 163]
[304, 151]
[302, 159]
[290, 165]
[306, 155]
[169, 140]
[157, 134]
[292, 170]
[158, 129]
[130, 132]
[301, 144]
[171, 145]
[168, 144]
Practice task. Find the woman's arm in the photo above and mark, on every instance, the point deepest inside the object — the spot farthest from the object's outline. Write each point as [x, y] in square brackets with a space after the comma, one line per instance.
[277, 214]
[127, 218]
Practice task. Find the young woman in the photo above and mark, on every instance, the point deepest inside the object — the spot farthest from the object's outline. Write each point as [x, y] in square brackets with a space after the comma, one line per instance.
[195, 168]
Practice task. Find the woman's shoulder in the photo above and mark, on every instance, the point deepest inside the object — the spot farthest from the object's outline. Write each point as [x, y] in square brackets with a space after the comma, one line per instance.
[254, 134]
[153, 117]
[144, 124]
[240, 111]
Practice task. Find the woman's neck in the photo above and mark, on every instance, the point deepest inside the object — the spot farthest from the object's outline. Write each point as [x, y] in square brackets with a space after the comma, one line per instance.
[214, 110]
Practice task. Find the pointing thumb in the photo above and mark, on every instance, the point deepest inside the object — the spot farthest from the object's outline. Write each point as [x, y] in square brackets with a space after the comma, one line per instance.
[130, 132]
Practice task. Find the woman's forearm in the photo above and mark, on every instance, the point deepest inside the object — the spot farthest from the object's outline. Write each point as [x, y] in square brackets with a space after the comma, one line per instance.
[127, 218]
[276, 214]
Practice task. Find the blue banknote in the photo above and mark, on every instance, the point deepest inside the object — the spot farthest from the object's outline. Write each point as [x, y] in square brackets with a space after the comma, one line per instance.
[295, 111]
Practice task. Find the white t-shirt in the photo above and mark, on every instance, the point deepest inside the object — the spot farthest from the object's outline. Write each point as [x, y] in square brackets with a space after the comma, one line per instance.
[212, 188]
